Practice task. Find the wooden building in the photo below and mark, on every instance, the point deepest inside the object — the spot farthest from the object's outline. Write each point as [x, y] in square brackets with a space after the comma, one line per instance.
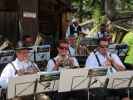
[29, 17]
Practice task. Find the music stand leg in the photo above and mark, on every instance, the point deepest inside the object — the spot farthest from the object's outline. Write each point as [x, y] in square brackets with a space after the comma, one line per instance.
[35, 87]
[88, 95]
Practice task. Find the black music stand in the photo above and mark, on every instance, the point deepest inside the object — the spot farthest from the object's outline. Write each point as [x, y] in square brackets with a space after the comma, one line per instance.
[73, 79]
[121, 83]
[98, 83]
[74, 82]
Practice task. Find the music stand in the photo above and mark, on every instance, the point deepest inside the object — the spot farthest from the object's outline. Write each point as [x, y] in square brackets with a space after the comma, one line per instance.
[98, 81]
[48, 81]
[121, 80]
[32, 84]
[73, 79]
[22, 86]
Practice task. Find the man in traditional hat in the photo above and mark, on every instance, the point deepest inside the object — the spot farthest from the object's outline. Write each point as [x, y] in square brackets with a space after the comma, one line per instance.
[20, 66]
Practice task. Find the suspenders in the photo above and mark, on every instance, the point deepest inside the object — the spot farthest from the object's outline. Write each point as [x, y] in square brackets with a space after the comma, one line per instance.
[98, 58]
[14, 67]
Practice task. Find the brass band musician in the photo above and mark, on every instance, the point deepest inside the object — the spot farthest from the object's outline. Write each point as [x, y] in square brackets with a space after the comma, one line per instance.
[63, 58]
[20, 66]
[101, 57]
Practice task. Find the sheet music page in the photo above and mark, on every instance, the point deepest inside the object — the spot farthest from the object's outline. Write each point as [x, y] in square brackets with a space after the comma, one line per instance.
[98, 82]
[73, 79]
[21, 85]
[120, 80]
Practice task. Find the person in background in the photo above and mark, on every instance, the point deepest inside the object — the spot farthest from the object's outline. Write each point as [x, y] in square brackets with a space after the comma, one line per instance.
[63, 58]
[27, 41]
[128, 39]
[101, 57]
[104, 33]
[72, 45]
[74, 28]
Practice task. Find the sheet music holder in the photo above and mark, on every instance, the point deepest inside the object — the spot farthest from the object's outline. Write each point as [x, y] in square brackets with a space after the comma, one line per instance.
[21, 85]
[48, 81]
[39, 53]
[73, 79]
[6, 56]
[98, 82]
[31, 84]
[121, 80]
[101, 71]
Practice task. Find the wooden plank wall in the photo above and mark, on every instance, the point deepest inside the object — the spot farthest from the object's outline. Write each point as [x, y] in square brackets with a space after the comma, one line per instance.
[9, 25]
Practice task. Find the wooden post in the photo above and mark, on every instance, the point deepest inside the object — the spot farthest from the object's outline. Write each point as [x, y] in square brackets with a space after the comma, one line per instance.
[28, 17]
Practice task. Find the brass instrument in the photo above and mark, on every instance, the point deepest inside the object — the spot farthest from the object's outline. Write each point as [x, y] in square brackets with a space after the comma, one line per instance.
[4, 44]
[29, 70]
[66, 62]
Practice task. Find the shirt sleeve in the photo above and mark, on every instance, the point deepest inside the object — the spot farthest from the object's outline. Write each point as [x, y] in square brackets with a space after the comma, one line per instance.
[117, 60]
[75, 62]
[50, 65]
[91, 61]
[7, 73]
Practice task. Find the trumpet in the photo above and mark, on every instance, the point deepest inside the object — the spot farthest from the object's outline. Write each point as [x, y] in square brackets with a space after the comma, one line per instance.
[65, 61]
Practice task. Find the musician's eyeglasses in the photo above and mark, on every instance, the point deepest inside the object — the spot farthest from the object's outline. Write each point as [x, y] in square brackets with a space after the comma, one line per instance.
[63, 48]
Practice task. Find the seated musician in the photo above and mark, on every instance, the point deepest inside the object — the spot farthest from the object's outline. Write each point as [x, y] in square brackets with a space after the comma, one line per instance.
[61, 61]
[102, 57]
[63, 58]
[20, 66]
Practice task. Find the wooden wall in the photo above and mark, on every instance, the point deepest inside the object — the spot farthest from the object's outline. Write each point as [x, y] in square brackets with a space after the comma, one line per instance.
[48, 19]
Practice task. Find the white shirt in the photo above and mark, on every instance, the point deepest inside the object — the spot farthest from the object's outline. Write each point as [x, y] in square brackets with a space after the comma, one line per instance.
[72, 51]
[92, 62]
[9, 72]
[51, 63]
[101, 35]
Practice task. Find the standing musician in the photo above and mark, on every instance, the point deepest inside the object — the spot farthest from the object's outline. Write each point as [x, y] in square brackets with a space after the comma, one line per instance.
[63, 58]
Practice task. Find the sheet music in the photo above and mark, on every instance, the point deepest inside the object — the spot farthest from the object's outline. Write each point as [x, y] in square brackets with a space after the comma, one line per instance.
[21, 85]
[30, 84]
[120, 80]
[6, 56]
[39, 53]
[73, 79]
[97, 82]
